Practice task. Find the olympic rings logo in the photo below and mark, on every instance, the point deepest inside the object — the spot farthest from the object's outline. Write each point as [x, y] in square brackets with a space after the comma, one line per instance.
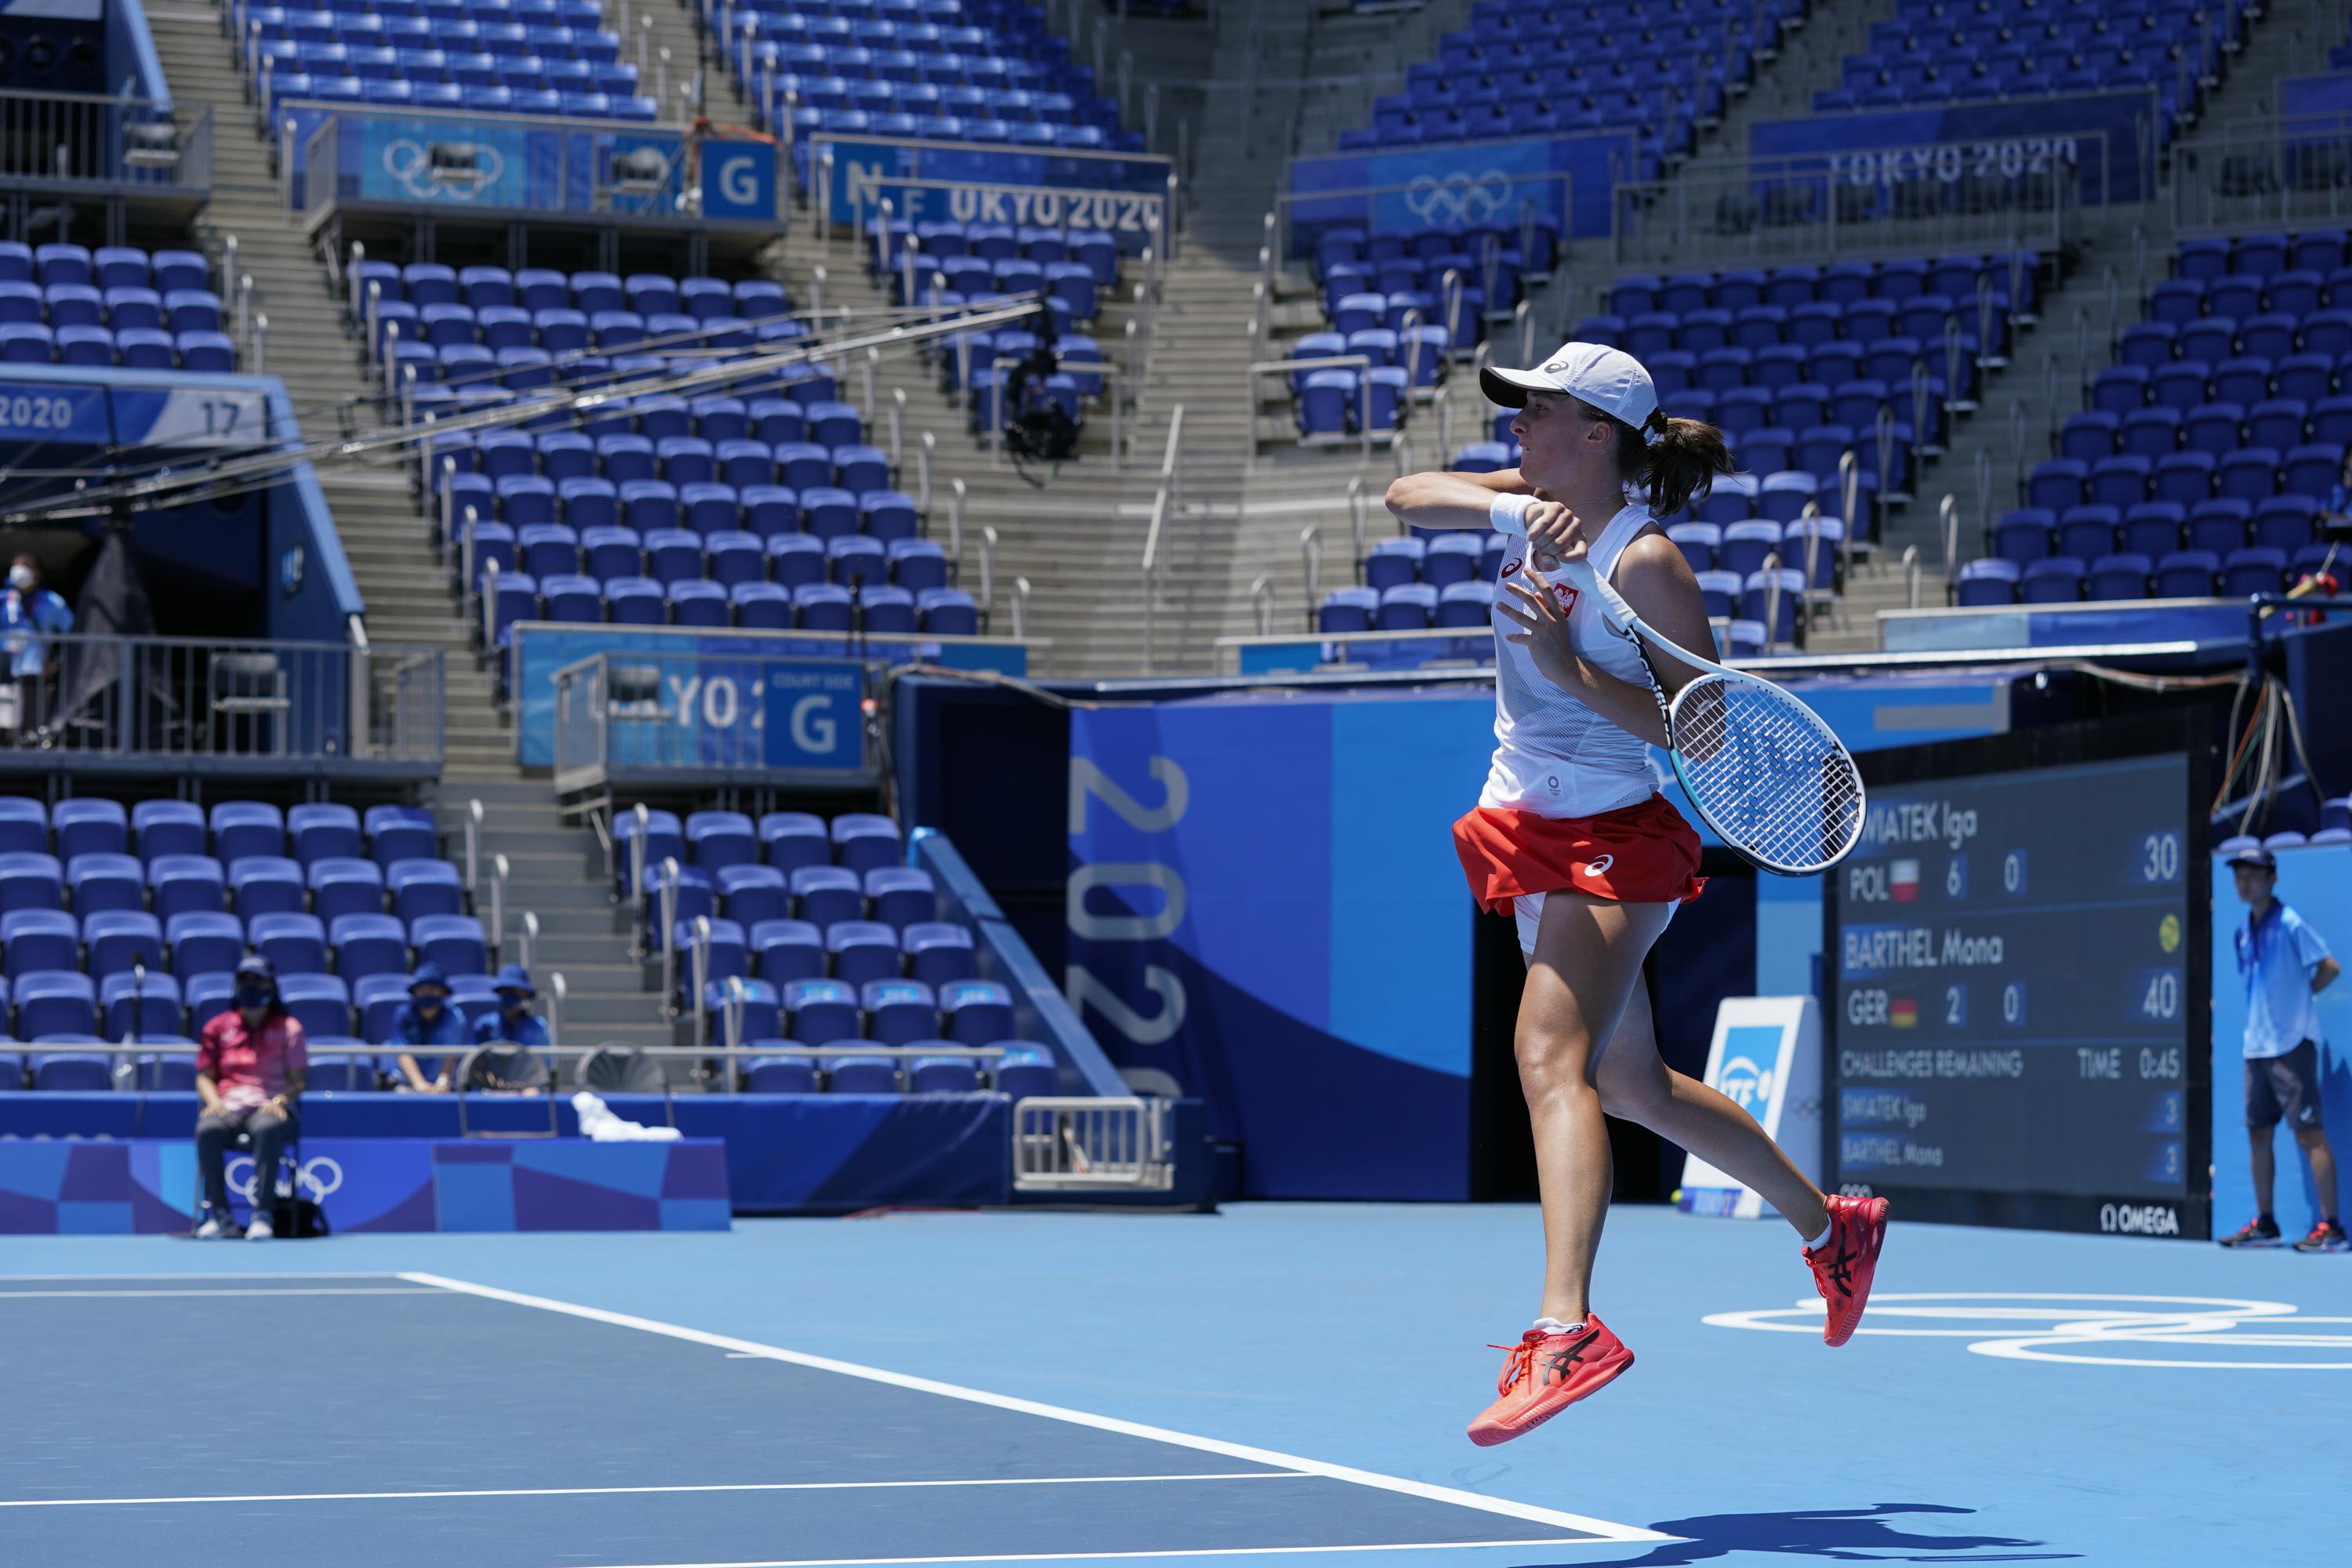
[2089, 1329]
[1458, 199]
[418, 171]
[317, 1177]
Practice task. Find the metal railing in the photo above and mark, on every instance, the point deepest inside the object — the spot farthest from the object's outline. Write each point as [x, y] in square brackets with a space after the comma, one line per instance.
[1165, 500]
[90, 140]
[620, 166]
[2265, 173]
[1865, 202]
[1063, 1143]
[246, 707]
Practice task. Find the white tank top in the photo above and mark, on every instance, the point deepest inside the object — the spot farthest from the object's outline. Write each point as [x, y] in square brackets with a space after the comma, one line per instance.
[1553, 756]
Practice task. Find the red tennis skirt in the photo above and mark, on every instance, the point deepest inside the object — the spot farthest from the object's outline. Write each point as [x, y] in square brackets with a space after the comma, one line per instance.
[1639, 854]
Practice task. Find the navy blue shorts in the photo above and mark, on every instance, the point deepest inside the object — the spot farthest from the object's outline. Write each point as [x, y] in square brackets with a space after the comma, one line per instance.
[2284, 1089]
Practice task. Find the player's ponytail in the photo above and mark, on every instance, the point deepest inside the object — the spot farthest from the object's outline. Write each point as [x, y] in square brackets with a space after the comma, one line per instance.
[1680, 467]
[1675, 468]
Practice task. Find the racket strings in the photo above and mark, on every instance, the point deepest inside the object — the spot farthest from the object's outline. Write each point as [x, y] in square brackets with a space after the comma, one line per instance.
[1766, 772]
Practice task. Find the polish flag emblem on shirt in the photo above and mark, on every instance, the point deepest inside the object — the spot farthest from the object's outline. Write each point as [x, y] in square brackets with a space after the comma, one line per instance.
[1903, 881]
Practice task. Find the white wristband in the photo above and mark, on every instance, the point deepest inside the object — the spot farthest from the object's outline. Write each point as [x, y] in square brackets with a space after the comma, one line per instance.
[1510, 514]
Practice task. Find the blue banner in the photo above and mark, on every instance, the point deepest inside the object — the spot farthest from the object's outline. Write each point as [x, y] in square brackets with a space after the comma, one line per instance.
[1467, 183]
[814, 718]
[36, 412]
[726, 711]
[2108, 132]
[471, 165]
[738, 180]
[862, 167]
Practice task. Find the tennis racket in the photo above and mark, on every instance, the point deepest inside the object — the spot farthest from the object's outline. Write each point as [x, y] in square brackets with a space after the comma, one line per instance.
[1765, 773]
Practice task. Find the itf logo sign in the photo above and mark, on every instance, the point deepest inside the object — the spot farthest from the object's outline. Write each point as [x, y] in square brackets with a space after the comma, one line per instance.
[738, 180]
[815, 718]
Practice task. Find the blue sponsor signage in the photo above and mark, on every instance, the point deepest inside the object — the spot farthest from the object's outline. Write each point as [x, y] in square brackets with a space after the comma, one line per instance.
[815, 720]
[1469, 183]
[35, 412]
[2108, 134]
[863, 166]
[716, 698]
[738, 180]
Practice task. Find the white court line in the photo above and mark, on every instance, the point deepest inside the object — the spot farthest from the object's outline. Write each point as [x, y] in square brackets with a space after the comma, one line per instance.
[1169, 1552]
[1605, 1529]
[210, 1294]
[216, 1274]
[607, 1491]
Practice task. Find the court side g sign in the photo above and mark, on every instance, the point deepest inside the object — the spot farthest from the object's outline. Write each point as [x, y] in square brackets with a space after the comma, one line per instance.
[814, 718]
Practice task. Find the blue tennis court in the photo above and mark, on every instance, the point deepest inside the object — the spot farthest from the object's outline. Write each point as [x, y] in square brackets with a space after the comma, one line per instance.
[410, 1417]
[1276, 1384]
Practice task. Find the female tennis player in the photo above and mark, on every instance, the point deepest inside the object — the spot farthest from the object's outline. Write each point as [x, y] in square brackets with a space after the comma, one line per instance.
[1571, 836]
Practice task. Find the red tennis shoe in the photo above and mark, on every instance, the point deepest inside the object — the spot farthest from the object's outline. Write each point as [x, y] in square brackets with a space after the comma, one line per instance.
[1844, 1264]
[1544, 1374]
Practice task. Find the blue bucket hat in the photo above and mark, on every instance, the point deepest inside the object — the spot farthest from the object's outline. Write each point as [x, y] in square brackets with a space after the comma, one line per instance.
[514, 977]
[428, 973]
[253, 966]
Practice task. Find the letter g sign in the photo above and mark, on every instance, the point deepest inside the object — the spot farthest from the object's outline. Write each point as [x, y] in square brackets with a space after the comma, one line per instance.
[739, 181]
[814, 729]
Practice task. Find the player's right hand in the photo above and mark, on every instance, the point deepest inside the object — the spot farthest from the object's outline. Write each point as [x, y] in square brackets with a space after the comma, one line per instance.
[1555, 534]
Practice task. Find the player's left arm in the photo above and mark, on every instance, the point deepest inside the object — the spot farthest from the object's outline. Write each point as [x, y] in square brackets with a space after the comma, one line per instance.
[2323, 973]
[1654, 576]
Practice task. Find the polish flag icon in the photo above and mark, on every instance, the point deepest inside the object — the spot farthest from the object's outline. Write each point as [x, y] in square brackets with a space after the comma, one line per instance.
[1903, 881]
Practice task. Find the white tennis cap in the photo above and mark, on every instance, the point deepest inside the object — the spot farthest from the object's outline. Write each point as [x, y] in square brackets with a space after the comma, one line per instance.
[1609, 379]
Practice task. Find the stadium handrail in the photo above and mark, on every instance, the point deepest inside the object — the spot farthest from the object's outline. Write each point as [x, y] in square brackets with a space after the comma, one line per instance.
[2263, 172]
[1164, 501]
[133, 147]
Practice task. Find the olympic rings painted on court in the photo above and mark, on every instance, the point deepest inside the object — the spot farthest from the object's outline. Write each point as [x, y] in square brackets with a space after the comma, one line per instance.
[2065, 1326]
[319, 1176]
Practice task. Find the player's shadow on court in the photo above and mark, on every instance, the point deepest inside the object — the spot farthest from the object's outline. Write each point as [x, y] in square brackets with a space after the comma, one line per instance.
[1837, 1534]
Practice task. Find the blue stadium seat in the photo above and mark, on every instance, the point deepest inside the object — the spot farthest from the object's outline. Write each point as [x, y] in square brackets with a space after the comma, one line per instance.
[976, 1011]
[321, 1004]
[456, 943]
[100, 881]
[31, 881]
[85, 826]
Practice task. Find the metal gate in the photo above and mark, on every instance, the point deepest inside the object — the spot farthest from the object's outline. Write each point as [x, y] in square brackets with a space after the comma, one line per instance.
[1079, 1143]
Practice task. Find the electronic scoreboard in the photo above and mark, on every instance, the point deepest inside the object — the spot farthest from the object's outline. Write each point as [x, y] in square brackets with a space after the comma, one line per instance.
[2018, 961]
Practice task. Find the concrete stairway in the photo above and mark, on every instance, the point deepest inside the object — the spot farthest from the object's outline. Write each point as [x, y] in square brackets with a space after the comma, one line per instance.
[395, 559]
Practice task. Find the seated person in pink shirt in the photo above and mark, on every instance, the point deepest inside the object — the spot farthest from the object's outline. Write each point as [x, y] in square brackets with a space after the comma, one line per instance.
[250, 1065]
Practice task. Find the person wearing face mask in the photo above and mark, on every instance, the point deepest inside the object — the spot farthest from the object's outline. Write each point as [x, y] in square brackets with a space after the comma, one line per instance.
[427, 1019]
[250, 1066]
[29, 615]
[510, 1037]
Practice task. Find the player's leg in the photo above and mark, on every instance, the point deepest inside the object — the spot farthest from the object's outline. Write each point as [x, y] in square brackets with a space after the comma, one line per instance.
[1637, 1086]
[1587, 963]
[1586, 959]
[1842, 1236]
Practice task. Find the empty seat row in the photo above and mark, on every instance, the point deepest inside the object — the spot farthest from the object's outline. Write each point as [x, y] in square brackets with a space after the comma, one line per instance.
[330, 885]
[1958, 275]
[728, 557]
[710, 840]
[2065, 579]
[744, 893]
[2279, 424]
[2156, 529]
[572, 453]
[423, 284]
[2249, 474]
[885, 1012]
[114, 941]
[230, 831]
[206, 352]
[780, 950]
[878, 609]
